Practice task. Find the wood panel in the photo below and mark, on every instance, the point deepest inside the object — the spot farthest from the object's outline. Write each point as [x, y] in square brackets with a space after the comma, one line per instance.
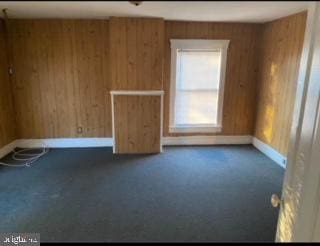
[282, 42]
[136, 53]
[7, 118]
[241, 71]
[137, 124]
[61, 78]
[136, 63]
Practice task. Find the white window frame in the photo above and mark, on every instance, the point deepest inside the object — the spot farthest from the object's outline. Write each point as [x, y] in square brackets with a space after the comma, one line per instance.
[197, 44]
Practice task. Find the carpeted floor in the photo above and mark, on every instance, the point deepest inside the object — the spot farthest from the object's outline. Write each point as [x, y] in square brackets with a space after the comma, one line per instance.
[203, 194]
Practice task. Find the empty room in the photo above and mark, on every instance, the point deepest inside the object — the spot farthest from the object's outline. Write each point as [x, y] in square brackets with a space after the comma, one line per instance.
[159, 121]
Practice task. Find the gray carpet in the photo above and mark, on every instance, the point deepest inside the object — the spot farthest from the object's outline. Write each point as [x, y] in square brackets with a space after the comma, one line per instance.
[201, 194]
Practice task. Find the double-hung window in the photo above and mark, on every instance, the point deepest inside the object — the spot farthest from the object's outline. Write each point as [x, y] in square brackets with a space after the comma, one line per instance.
[197, 84]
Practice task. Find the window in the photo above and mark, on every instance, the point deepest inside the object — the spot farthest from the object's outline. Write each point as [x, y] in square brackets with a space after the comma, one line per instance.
[197, 82]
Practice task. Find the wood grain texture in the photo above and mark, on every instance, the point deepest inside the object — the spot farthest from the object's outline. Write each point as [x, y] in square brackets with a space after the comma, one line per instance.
[241, 71]
[136, 53]
[61, 79]
[7, 116]
[282, 42]
[137, 124]
[62, 73]
[136, 63]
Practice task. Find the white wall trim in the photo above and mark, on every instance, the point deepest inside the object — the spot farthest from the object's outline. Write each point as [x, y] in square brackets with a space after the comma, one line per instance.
[138, 93]
[197, 129]
[207, 140]
[113, 127]
[199, 44]
[161, 122]
[7, 149]
[65, 142]
[270, 152]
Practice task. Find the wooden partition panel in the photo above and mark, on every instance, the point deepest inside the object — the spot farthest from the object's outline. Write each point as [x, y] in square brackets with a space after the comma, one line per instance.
[7, 118]
[137, 124]
[282, 42]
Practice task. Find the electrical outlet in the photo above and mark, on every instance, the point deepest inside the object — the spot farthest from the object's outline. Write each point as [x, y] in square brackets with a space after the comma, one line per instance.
[79, 129]
[10, 71]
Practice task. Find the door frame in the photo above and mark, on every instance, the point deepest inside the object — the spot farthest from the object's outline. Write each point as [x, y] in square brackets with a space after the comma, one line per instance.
[299, 216]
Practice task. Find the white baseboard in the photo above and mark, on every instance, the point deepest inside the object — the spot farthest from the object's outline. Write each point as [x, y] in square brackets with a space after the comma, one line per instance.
[270, 152]
[65, 142]
[166, 141]
[108, 142]
[7, 149]
[206, 140]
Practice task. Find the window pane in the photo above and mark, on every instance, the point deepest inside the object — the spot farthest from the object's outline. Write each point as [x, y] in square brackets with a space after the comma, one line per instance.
[196, 100]
[196, 107]
[198, 70]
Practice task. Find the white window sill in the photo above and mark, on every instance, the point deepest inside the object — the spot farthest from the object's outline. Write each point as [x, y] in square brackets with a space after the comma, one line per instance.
[195, 129]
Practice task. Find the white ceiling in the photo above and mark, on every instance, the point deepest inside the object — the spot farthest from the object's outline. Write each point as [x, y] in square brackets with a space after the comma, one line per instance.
[225, 11]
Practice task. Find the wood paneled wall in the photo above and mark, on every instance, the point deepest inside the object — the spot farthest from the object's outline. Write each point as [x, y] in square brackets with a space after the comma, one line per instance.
[62, 70]
[241, 71]
[282, 42]
[136, 53]
[61, 78]
[137, 124]
[7, 120]
[62, 73]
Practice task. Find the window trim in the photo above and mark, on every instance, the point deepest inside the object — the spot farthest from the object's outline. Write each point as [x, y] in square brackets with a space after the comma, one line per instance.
[197, 44]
